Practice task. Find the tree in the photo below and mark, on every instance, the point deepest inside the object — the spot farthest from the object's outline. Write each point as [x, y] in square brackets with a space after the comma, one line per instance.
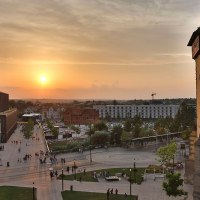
[28, 129]
[76, 129]
[100, 126]
[184, 118]
[145, 132]
[128, 125]
[116, 134]
[163, 124]
[171, 186]
[100, 138]
[55, 132]
[167, 153]
[126, 136]
[137, 121]
[136, 131]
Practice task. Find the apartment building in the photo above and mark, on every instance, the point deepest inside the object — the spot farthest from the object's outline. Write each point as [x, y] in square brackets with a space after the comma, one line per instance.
[153, 111]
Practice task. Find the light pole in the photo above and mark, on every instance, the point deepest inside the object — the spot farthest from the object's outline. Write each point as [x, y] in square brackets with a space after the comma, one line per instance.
[33, 192]
[130, 183]
[156, 141]
[90, 147]
[134, 171]
[62, 180]
[74, 169]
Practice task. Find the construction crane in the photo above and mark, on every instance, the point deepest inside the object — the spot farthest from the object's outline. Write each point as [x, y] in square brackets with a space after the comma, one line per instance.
[152, 95]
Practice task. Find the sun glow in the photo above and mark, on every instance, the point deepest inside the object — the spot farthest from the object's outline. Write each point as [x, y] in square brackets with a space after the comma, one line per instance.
[43, 79]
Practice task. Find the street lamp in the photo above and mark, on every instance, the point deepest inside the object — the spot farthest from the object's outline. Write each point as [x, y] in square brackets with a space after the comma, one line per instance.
[130, 183]
[33, 192]
[74, 169]
[134, 171]
[156, 141]
[90, 147]
[62, 179]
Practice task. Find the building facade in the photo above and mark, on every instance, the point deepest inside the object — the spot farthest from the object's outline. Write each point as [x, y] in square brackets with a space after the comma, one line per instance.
[80, 116]
[8, 123]
[4, 101]
[194, 42]
[51, 113]
[153, 111]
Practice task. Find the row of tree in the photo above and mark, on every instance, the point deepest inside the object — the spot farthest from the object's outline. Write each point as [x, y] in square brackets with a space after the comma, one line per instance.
[136, 127]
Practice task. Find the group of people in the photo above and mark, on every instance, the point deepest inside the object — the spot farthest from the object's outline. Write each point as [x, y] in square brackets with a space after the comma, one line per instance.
[16, 142]
[36, 138]
[53, 173]
[111, 192]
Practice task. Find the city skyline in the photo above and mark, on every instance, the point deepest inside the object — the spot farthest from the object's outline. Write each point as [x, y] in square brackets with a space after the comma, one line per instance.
[75, 49]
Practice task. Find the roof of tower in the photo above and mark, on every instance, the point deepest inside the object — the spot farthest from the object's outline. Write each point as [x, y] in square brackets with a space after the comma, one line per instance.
[193, 37]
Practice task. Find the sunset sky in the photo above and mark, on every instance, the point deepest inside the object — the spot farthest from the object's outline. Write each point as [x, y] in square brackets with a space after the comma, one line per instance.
[97, 49]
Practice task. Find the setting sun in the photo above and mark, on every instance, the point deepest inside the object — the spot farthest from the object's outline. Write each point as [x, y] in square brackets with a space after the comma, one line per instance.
[43, 79]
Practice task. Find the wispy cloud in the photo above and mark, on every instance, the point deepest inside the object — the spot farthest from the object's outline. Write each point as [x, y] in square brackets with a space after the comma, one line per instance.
[103, 34]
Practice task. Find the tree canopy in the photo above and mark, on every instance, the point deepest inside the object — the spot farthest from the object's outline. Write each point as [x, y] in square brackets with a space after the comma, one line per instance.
[167, 153]
[100, 126]
[100, 138]
[28, 129]
[171, 186]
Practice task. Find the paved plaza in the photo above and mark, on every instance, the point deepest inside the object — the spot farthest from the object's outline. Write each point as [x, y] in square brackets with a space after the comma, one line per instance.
[24, 172]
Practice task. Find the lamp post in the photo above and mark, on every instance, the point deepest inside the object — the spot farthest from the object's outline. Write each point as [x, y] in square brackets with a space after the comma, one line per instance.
[90, 151]
[134, 171]
[62, 180]
[130, 183]
[156, 141]
[33, 192]
[90, 147]
[74, 169]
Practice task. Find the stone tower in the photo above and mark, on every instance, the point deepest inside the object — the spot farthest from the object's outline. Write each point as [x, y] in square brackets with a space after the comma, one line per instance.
[194, 43]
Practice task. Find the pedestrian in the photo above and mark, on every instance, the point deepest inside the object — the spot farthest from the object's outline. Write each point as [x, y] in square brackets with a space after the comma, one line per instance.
[111, 191]
[51, 174]
[108, 193]
[125, 195]
[80, 179]
[84, 171]
[68, 169]
[56, 173]
[116, 191]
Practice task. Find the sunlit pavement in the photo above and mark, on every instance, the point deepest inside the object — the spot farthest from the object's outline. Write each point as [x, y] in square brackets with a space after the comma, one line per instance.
[27, 172]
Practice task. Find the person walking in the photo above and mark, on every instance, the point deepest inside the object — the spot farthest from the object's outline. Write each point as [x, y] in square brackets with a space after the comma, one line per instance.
[116, 191]
[108, 193]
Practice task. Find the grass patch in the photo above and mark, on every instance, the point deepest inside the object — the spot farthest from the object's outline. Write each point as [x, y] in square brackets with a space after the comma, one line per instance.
[136, 177]
[68, 195]
[16, 193]
[88, 177]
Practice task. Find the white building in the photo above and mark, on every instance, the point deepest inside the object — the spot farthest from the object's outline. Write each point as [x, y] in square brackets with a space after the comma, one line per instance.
[51, 113]
[144, 111]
